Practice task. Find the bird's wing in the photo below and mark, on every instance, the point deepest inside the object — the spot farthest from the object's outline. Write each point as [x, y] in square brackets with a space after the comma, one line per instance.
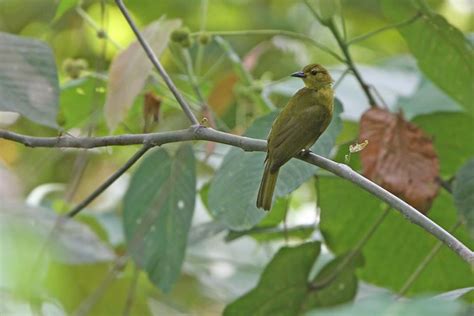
[301, 129]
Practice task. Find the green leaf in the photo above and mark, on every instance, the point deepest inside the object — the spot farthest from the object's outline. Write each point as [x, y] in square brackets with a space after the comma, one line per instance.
[452, 137]
[76, 105]
[233, 191]
[397, 247]
[130, 69]
[64, 5]
[443, 53]
[463, 192]
[282, 286]
[384, 304]
[341, 288]
[28, 79]
[158, 208]
[427, 99]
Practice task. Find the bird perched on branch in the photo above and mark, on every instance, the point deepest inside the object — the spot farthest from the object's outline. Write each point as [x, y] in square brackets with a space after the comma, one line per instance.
[297, 127]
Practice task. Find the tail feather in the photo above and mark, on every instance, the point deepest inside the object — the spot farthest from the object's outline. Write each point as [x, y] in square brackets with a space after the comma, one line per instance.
[267, 186]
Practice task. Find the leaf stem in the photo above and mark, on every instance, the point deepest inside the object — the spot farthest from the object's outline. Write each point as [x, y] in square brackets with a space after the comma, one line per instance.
[273, 32]
[352, 254]
[424, 263]
[383, 29]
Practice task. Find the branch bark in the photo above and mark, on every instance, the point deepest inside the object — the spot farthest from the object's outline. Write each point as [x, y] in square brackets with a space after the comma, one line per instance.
[249, 144]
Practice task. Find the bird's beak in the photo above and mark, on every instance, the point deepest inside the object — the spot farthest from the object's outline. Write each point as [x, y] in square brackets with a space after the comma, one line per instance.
[298, 74]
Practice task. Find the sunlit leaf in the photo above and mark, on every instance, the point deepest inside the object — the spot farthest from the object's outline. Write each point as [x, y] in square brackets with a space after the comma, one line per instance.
[130, 69]
[442, 51]
[28, 79]
[63, 7]
[158, 208]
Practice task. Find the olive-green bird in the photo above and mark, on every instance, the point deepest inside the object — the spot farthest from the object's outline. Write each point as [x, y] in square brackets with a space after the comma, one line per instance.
[297, 127]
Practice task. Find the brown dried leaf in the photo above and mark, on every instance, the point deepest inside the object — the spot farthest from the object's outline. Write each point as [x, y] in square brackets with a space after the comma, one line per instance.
[130, 69]
[151, 110]
[399, 157]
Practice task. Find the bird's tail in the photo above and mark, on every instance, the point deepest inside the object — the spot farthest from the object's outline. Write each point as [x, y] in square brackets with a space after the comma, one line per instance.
[267, 186]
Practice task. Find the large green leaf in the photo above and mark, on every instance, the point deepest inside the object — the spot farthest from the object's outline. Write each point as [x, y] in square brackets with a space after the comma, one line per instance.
[463, 191]
[158, 208]
[397, 247]
[28, 79]
[233, 191]
[282, 286]
[442, 51]
[452, 137]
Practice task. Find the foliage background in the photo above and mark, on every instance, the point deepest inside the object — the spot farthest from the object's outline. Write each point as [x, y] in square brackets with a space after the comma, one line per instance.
[221, 265]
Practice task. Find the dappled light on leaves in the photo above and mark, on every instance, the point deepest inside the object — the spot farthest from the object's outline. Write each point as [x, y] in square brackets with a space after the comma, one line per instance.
[400, 157]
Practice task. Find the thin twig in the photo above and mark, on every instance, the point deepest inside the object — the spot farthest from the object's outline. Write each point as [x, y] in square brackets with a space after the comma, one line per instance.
[100, 31]
[250, 144]
[151, 55]
[341, 77]
[271, 32]
[202, 27]
[424, 263]
[383, 29]
[353, 253]
[79, 207]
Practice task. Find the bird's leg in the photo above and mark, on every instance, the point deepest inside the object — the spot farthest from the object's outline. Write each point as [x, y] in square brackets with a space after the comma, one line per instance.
[305, 152]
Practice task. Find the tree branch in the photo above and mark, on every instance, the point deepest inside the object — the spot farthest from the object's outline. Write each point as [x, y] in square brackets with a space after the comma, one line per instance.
[249, 144]
[151, 55]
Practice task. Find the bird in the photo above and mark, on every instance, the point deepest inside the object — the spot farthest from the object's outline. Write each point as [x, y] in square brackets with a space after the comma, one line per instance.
[298, 126]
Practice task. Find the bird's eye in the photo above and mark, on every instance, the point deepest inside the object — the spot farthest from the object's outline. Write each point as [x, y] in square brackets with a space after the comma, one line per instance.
[314, 72]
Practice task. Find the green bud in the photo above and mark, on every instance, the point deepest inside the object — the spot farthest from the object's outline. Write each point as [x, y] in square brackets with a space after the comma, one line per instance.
[180, 35]
[204, 38]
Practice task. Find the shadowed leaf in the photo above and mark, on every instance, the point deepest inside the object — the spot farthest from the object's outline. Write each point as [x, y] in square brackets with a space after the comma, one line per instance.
[399, 157]
[28, 79]
[282, 286]
[158, 208]
[463, 191]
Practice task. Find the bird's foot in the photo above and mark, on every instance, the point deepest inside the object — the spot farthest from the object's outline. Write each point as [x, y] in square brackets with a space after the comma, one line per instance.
[305, 153]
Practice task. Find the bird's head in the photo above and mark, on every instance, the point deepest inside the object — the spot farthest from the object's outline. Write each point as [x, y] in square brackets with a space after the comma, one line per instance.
[314, 76]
